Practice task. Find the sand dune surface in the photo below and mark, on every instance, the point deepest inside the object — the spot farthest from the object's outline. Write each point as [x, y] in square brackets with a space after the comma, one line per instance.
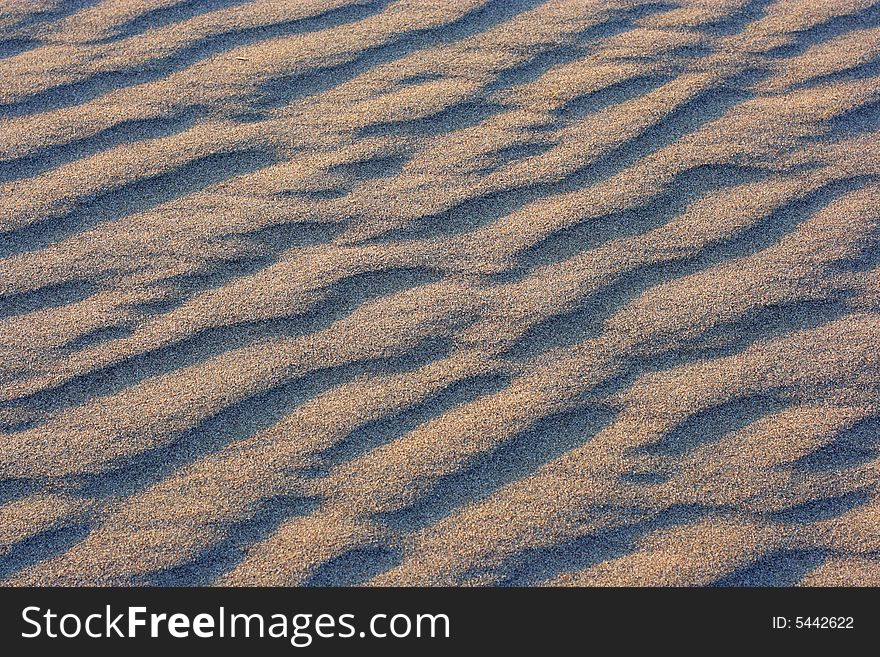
[409, 292]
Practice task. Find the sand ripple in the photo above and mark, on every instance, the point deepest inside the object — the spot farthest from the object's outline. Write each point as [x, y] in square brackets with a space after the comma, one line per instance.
[485, 292]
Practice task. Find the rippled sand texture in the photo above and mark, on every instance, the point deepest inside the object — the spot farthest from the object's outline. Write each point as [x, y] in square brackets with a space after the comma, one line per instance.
[482, 292]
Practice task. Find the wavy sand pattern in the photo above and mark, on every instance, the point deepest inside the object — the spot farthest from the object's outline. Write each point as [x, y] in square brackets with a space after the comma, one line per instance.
[481, 292]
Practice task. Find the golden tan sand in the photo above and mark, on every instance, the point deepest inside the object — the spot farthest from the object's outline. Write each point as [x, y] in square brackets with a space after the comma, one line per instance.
[485, 292]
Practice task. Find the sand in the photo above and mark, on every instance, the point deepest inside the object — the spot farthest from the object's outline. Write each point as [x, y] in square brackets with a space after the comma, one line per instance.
[472, 292]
